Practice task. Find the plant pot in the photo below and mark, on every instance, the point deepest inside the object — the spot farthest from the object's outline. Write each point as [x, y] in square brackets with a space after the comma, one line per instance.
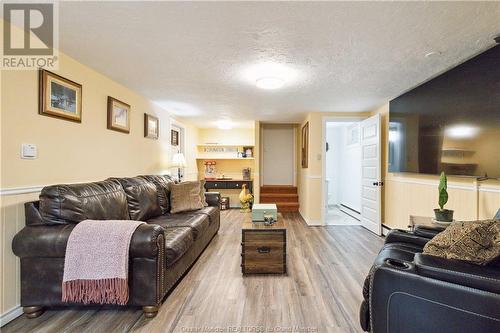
[444, 215]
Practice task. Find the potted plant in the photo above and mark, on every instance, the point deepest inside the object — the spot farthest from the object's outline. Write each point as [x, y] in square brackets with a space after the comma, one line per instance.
[443, 215]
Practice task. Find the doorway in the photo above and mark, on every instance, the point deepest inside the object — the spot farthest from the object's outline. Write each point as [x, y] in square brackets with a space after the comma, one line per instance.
[351, 172]
[343, 173]
[278, 142]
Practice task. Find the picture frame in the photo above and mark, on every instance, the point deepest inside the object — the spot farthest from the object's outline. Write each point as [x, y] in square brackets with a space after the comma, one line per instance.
[151, 126]
[305, 145]
[118, 115]
[59, 97]
[174, 137]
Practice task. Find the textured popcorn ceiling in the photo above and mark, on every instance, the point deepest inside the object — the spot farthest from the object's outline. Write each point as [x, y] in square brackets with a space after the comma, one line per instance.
[199, 59]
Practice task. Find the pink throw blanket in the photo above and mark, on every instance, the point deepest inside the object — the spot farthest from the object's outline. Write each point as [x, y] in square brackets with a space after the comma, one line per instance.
[96, 262]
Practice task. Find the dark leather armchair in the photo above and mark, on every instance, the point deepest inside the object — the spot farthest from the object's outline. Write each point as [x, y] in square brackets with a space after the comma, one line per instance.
[161, 250]
[409, 292]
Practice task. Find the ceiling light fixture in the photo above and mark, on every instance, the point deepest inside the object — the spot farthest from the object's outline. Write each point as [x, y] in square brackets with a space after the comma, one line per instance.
[225, 124]
[269, 83]
[461, 131]
[270, 75]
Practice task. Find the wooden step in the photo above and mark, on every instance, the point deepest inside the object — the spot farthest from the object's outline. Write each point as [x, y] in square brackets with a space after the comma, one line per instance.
[278, 189]
[278, 197]
[287, 206]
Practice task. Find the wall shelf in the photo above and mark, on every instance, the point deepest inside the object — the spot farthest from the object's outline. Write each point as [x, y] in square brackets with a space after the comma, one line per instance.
[457, 151]
[224, 145]
[223, 158]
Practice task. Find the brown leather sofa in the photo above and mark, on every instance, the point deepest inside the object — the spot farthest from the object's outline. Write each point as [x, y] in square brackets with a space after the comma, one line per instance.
[161, 251]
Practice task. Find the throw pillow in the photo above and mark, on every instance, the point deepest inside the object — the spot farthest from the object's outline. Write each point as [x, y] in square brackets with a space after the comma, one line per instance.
[202, 193]
[477, 242]
[185, 196]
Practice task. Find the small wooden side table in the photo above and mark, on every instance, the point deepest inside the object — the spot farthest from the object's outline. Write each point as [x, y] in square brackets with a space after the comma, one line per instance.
[424, 221]
[263, 248]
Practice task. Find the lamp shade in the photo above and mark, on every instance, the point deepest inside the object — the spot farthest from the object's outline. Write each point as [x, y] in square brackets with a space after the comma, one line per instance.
[178, 161]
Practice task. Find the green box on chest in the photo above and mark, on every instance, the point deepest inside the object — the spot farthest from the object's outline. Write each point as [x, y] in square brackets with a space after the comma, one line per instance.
[259, 210]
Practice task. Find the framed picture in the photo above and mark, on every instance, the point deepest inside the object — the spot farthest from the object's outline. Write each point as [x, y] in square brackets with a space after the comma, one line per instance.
[151, 126]
[59, 97]
[305, 145]
[174, 137]
[118, 115]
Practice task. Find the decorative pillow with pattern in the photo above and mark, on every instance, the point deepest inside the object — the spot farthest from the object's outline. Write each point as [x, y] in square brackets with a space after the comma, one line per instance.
[477, 242]
[185, 196]
[202, 193]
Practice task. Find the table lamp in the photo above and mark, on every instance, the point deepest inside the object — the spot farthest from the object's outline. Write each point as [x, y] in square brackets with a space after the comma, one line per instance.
[178, 161]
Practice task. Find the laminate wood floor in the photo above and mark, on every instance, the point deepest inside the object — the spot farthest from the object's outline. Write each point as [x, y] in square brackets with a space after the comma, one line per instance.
[321, 293]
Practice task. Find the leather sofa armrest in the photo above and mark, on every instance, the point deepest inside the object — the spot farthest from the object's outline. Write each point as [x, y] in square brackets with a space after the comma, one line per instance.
[459, 272]
[144, 242]
[50, 241]
[398, 295]
[400, 236]
[47, 241]
[213, 198]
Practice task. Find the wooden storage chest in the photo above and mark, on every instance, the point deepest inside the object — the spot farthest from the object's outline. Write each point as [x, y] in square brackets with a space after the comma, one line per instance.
[263, 248]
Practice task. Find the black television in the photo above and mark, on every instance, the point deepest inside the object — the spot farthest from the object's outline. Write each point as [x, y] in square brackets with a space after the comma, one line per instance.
[450, 123]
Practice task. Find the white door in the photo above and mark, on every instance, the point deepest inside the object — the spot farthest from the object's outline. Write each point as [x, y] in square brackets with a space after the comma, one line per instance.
[278, 159]
[371, 178]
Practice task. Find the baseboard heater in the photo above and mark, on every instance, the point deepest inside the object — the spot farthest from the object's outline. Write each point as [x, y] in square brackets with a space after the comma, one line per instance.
[351, 212]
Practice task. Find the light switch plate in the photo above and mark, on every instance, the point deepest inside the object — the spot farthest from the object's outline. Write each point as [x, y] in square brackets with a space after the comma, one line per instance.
[29, 151]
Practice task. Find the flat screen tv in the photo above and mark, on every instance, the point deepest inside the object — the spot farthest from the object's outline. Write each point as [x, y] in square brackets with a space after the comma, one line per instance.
[450, 123]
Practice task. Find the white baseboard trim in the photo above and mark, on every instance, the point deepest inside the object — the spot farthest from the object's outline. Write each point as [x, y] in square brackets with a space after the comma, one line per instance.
[10, 315]
[311, 223]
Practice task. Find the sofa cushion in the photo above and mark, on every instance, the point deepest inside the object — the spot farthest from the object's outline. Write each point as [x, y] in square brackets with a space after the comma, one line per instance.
[211, 212]
[477, 242]
[197, 222]
[185, 196]
[142, 198]
[178, 240]
[63, 204]
[162, 184]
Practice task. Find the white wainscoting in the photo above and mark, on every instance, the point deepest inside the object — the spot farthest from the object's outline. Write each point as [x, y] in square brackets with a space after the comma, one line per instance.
[10, 315]
[470, 187]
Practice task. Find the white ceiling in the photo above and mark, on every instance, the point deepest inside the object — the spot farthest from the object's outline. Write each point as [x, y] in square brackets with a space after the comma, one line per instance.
[194, 58]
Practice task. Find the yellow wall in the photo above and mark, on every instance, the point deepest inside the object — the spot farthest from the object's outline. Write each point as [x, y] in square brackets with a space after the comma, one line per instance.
[235, 136]
[413, 194]
[258, 160]
[70, 152]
